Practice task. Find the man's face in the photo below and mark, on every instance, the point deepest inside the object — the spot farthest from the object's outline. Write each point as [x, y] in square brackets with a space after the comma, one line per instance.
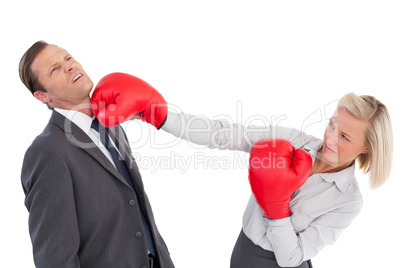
[67, 84]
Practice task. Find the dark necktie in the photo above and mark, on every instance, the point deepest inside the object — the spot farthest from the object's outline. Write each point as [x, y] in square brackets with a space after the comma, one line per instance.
[123, 170]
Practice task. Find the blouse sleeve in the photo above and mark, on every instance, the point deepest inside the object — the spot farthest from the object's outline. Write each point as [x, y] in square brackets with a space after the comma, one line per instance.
[292, 249]
[220, 134]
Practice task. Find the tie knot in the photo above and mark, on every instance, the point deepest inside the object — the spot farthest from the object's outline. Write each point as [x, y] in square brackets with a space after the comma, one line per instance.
[95, 124]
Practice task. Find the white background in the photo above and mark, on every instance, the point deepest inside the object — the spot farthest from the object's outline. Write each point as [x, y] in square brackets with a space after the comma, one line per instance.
[217, 58]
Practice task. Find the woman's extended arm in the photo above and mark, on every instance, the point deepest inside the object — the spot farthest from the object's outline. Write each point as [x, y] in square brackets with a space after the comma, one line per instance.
[220, 134]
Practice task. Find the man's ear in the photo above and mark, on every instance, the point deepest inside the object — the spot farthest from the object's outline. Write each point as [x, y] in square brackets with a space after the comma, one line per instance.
[42, 96]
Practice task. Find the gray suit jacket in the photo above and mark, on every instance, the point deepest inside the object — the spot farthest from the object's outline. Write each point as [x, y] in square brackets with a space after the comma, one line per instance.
[82, 213]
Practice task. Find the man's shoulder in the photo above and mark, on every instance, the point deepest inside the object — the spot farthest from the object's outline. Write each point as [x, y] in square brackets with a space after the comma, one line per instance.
[50, 137]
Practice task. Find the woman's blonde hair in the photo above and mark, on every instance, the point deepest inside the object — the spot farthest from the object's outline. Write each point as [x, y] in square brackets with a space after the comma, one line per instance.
[378, 136]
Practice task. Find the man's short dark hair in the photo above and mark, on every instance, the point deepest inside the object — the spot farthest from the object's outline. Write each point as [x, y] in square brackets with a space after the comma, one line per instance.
[30, 79]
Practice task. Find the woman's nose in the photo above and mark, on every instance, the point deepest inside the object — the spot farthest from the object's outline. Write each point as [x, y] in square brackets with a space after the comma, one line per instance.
[332, 138]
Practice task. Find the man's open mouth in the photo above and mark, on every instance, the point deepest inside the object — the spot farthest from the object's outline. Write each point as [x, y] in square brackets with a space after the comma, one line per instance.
[78, 76]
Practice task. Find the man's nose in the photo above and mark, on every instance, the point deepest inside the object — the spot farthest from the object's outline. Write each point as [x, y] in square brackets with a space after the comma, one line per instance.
[69, 67]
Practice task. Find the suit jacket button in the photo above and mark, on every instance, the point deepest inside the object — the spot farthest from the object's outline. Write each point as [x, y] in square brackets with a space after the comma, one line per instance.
[138, 234]
[132, 202]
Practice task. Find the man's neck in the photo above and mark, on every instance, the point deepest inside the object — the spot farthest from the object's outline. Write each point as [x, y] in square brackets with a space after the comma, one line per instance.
[84, 107]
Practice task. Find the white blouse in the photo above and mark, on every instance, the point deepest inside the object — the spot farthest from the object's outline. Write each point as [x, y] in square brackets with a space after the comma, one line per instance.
[325, 205]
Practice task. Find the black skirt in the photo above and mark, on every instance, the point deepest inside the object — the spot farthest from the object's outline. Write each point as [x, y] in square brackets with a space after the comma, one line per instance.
[248, 255]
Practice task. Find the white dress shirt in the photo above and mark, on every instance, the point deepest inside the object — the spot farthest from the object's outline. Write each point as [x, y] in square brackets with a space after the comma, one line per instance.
[84, 122]
[325, 205]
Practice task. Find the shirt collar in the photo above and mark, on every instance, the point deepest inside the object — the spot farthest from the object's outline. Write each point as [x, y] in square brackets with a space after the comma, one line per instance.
[82, 120]
[342, 178]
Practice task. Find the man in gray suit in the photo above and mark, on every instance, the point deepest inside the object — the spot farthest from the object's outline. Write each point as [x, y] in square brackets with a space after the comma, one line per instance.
[82, 211]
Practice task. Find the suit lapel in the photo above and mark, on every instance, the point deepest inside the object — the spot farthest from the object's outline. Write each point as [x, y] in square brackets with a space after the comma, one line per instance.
[79, 138]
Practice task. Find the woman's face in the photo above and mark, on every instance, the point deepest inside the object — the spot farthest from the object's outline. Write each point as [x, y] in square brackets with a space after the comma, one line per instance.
[343, 139]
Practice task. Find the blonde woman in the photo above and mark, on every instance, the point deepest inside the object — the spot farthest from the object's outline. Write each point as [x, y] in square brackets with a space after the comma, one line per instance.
[359, 132]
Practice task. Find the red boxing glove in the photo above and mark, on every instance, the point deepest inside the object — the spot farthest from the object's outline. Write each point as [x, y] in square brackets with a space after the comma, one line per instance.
[276, 171]
[119, 97]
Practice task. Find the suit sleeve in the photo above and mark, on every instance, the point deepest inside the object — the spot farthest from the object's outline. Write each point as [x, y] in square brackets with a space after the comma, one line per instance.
[221, 134]
[49, 198]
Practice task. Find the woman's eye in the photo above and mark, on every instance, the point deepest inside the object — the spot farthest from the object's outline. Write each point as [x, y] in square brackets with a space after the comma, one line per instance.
[343, 136]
